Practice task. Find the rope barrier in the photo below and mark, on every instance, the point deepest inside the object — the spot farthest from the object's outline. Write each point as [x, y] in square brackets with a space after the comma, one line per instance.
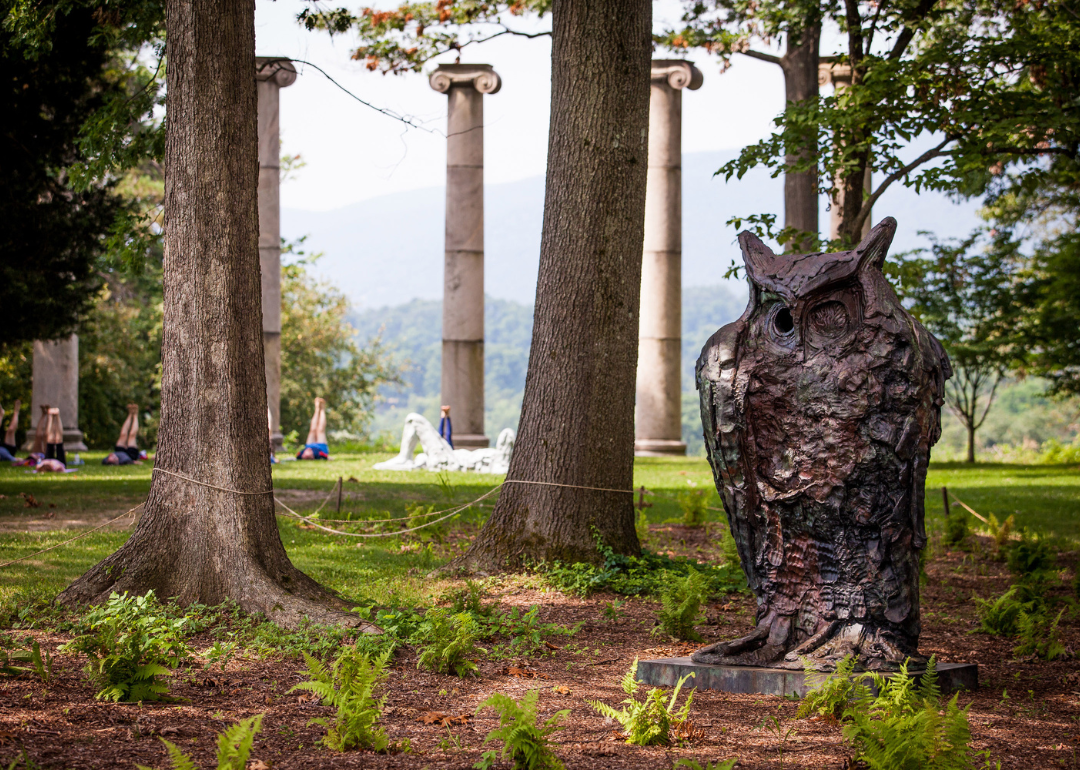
[568, 486]
[77, 537]
[211, 486]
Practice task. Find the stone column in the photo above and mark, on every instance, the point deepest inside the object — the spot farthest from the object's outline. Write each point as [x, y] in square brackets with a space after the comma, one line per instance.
[839, 77]
[271, 74]
[463, 269]
[658, 418]
[56, 383]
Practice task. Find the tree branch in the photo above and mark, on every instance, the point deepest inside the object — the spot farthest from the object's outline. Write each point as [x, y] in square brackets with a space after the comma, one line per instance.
[930, 154]
[873, 26]
[771, 58]
[907, 34]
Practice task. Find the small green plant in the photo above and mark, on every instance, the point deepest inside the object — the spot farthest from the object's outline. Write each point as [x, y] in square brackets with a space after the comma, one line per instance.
[11, 662]
[471, 599]
[729, 549]
[613, 610]
[647, 722]
[233, 747]
[1000, 532]
[694, 504]
[690, 764]
[829, 694]
[772, 724]
[449, 640]
[903, 726]
[1038, 636]
[131, 642]
[348, 685]
[1000, 616]
[219, 654]
[526, 632]
[680, 606]
[523, 740]
[1030, 557]
[956, 527]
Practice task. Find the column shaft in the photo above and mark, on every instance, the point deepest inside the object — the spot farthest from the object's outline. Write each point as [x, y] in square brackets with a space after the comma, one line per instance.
[56, 383]
[463, 270]
[658, 419]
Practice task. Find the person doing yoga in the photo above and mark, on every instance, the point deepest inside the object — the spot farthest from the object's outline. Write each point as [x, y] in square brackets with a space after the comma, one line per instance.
[126, 451]
[54, 439]
[8, 448]
[38, 447]
[316, 448]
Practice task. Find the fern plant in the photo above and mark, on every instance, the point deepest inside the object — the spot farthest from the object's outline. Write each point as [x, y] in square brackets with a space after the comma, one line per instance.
[449, 640]
[1001, 616]
[694, 505]
[527, 743]
[1039, 636]
[729, 549]
[690, 764]
[1000, 531]
[647, 722]
[348, 685]
[41, 665]
[130, 643]
[680, 606]
[906, 727]
[830, 694]
[233, 747]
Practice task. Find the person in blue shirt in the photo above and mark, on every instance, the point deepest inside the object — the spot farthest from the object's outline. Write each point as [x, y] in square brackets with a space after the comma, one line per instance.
[316, 448]
[446, 430]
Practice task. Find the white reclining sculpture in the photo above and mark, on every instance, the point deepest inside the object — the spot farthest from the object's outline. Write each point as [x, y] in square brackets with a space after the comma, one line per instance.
[438, 455]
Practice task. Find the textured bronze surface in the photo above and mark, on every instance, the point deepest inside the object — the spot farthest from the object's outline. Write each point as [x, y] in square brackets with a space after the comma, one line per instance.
[819, 406]
[666, 672]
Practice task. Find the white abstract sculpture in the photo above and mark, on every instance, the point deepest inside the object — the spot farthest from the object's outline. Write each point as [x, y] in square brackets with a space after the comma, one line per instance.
[438, 455]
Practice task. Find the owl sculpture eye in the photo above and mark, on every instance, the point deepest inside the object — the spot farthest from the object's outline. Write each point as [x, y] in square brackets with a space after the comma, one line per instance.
[829, 319]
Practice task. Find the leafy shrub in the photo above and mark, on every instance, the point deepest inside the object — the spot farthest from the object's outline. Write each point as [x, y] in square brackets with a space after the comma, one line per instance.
[130, 643]
[647, 722]
[526, 742]
[694, 506]
[1039, 636]
[348, 685]
[1030, 557]
[690, 764]
[526, 632]
[449, 639]
[904, 726]
[956, 527]
[233, 747]
[471, 599]
[680, 606]
[1000, 616]
[829, 694]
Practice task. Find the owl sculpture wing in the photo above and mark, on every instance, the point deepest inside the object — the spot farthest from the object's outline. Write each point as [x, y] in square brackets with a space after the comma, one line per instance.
[819, 407]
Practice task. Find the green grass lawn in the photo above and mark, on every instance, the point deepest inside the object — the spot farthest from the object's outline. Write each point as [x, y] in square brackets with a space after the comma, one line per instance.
[1043, 498]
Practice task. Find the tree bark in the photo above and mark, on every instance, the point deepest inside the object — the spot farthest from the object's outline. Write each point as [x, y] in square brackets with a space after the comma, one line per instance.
[577, 419]
[800, 66]
[970, 443]
[199, 542]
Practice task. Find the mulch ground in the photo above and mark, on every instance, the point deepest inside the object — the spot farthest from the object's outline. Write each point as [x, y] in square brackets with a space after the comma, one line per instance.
[1026, 714]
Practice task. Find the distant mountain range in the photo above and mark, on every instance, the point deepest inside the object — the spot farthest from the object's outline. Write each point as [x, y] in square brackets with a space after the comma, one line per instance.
[389, 250]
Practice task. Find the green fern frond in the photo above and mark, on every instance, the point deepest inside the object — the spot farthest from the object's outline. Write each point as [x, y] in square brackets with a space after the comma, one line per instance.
[234, 744]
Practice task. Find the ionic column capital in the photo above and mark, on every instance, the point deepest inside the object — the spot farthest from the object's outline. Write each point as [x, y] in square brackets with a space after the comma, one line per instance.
[838, 75]
[482, 77]
[277, 69]
[678, 73]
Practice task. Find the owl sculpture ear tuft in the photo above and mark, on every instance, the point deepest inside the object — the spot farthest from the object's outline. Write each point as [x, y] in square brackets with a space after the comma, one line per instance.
[759, 259]
[875, 246]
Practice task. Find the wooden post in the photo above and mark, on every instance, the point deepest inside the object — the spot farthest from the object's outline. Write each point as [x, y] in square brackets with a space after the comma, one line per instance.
[339, 495]
[945, 497]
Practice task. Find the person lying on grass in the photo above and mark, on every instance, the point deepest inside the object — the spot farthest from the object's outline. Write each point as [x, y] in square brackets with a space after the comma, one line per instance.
[55, 460]
[8, 448]
[126, 451]
[316, 448]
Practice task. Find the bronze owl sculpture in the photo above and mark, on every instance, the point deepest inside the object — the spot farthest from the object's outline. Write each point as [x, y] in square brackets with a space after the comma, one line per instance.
[819, 407]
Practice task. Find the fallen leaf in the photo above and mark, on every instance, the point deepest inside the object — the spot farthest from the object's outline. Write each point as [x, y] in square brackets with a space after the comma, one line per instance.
[444, 720]
[258, 764]
[551, 646]
[520, 673]
[595, 749]
[31, 501]
[561, 689]
[307, 698]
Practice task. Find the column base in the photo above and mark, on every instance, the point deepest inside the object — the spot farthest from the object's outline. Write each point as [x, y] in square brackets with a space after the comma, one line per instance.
[658, 447]
[471, 441]
[73, 440]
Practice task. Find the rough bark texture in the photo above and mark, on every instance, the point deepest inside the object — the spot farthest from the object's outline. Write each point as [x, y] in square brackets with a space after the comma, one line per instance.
[820, 405]
[193, 542]
[577, 419]
[800, 66]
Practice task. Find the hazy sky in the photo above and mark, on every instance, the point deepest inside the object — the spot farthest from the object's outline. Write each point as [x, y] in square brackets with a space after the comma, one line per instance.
[354, 153]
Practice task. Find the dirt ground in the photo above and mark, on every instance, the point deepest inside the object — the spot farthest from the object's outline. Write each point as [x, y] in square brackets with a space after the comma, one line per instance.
[1027, 714]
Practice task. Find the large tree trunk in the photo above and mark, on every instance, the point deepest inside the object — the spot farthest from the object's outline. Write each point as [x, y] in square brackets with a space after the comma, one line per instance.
[800, 66]
[200, 541]
[577, 418]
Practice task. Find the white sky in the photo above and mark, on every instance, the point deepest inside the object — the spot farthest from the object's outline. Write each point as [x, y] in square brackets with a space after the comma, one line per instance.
[354, 153]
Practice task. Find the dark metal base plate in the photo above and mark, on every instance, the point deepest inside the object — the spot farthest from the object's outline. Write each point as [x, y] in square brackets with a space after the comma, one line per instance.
[666, 672]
